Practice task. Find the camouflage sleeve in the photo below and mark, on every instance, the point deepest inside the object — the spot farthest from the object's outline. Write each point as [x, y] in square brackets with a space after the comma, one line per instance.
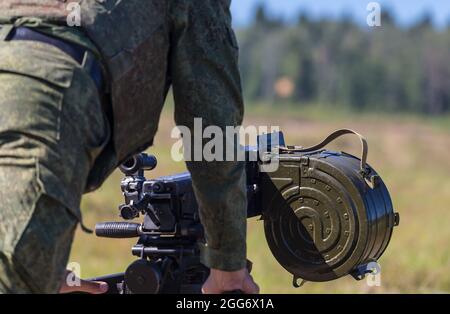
[206, 84]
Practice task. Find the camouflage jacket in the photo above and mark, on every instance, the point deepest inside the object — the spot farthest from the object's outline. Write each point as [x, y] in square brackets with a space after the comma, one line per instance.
[146, 47]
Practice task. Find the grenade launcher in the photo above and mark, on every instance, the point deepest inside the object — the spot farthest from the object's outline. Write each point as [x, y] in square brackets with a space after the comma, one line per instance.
[326, 214]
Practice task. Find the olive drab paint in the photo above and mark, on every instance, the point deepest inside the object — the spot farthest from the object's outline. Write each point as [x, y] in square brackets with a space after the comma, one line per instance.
[326, 214]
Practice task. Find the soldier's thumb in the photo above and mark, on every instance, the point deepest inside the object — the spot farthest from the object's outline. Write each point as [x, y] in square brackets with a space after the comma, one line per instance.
[249, 286]
[93, 287]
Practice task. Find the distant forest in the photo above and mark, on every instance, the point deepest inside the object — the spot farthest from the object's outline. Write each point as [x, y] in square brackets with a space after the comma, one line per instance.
[339, 62]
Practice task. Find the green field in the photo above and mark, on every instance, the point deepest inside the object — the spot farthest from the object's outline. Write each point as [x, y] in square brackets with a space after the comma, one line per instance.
[412, 154]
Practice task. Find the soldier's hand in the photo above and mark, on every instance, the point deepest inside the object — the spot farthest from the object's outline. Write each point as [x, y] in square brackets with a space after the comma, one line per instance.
[220, 281]
[92, 287]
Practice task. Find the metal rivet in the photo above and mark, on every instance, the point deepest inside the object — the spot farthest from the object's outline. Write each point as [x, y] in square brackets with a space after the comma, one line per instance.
[339, 200]
[328, 188]
[347, 233]
[326, 214]
[328, 230]
[313, 181]
[301, 200]
[316, 202]
[346, 216]
[311, 227]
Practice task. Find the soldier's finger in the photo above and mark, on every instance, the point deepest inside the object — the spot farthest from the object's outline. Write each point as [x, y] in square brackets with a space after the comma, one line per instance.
[93, 287]
[209, 288]
[250, 287]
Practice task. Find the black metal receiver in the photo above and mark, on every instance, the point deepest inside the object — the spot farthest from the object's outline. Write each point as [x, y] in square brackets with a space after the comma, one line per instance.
[326, 215]
[168, 251]
[168, 237]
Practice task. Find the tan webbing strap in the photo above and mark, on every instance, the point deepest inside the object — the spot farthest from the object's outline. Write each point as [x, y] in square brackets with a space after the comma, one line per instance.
[330, 138]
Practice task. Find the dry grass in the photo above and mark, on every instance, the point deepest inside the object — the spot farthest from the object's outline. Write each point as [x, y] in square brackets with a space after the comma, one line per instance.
[413, 159]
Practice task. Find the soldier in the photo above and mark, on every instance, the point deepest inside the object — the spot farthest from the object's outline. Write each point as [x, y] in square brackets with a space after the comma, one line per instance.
[75, 102]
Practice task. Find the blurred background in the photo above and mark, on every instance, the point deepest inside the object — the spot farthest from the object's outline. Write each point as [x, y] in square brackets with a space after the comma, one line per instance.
[310, 67]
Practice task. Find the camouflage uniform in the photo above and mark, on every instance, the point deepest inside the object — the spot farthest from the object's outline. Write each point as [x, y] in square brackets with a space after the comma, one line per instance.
[57, 139]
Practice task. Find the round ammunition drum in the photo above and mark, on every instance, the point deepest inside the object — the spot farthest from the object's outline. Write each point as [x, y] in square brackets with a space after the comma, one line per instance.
[323, 217]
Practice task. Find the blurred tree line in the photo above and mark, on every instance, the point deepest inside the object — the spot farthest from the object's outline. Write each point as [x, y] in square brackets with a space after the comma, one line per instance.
[339, 62]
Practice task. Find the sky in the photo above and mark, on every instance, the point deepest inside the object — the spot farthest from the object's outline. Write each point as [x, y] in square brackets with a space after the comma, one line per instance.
[406, 11]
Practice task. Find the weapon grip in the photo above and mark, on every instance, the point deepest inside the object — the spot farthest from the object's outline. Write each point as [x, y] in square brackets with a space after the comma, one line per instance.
[118, 229]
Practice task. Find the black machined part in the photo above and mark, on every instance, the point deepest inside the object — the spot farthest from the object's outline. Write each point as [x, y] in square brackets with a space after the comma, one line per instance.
[143, 277]
[139, 162]
[153, 251]
[118, 230]
[128, 212]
